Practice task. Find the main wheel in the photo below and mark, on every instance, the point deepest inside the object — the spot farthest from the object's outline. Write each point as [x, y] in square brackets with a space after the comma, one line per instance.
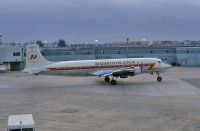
[113, 82]
[159, 79]
[107, 79]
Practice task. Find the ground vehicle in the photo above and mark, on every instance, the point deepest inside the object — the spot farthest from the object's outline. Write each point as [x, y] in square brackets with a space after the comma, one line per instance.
[22, 122]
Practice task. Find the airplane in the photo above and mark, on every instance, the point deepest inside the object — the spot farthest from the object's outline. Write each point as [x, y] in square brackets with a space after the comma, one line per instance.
[110, 69]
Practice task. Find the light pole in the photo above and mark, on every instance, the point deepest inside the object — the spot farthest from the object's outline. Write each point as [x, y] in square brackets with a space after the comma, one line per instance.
[196, 53]
[127, 42]
[95, 51]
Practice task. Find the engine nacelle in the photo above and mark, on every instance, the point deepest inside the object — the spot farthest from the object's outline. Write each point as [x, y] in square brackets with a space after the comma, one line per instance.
[131, 72]
[127, 72]
[123, 76]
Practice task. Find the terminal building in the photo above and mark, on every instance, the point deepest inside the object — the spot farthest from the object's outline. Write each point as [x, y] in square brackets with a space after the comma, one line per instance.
[169, 51]
[13, 57]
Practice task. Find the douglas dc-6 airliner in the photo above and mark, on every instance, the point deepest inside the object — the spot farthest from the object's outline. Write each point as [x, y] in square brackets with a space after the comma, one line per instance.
[110, 69]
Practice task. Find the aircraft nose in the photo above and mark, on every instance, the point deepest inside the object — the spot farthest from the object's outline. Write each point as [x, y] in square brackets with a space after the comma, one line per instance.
[167, 66]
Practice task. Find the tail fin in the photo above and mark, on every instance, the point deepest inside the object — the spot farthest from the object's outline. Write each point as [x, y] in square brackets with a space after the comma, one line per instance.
[34, 59]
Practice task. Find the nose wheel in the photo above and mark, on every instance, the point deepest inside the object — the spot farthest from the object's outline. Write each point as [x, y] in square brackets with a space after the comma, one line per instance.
[159, 78]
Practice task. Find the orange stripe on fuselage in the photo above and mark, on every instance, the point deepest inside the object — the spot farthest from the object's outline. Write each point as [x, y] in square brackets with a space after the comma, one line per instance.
[150, 65]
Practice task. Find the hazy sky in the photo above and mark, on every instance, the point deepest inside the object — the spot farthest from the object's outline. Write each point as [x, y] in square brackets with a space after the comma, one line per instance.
[104, 20]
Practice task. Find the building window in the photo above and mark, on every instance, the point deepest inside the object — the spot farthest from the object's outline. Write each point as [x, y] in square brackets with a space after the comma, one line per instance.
[188, 51]
[16, 53]
[167, 51]
[151, 51]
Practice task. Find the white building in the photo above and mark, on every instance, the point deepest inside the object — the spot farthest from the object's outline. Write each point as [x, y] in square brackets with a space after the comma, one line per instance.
[12, 56]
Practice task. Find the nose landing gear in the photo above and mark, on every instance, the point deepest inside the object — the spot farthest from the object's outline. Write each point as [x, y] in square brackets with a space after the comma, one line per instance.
[159, 78]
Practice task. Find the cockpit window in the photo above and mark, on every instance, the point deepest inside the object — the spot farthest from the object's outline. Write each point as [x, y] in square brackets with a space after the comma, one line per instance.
[159, 61]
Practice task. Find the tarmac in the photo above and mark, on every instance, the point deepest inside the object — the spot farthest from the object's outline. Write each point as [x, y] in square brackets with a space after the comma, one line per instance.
[138, 103]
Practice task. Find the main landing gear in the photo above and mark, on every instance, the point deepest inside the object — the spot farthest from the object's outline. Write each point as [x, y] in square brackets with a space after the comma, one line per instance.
[107, 79]
[112, 82]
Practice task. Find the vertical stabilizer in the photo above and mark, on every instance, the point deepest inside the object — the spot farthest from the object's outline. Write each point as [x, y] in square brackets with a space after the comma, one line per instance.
[34, 59]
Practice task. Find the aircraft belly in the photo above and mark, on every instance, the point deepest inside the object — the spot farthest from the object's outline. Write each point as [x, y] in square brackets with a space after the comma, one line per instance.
[84, 72]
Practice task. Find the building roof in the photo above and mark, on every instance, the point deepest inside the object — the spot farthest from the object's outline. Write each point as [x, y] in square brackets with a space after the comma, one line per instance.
[20, 121]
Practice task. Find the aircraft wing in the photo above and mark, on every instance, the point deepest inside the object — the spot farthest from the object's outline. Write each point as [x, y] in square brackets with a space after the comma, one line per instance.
[117, 72]
[102, 73]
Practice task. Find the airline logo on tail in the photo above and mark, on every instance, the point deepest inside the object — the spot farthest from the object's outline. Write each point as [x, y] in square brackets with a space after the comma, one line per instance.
[33, 57]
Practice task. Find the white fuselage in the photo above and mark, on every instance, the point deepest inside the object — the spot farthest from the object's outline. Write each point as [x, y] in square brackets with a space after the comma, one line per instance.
[147, 65]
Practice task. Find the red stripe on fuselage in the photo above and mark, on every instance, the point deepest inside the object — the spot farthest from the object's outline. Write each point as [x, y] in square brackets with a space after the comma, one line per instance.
[150, 65]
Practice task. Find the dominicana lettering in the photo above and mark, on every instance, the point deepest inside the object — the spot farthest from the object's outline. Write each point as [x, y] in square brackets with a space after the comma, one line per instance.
[107, 63]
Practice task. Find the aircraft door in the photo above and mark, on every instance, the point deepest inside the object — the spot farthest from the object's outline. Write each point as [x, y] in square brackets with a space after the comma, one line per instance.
[159, 63]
